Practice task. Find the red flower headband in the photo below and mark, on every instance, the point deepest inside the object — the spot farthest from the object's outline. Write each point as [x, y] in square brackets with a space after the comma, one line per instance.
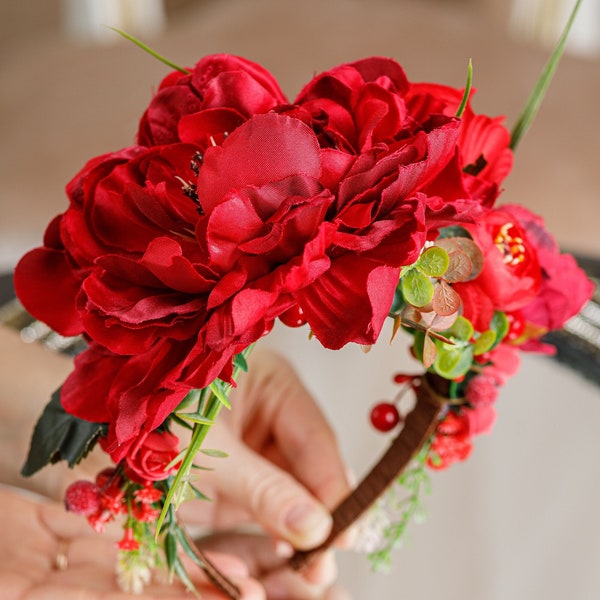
[367, 197]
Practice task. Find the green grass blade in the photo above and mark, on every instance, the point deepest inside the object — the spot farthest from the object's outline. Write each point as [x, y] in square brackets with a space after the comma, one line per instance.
[539, 91]
[149, 50]
[465, 98]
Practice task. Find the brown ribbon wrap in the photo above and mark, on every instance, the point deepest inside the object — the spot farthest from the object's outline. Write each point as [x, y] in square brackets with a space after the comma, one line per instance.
[418, 428]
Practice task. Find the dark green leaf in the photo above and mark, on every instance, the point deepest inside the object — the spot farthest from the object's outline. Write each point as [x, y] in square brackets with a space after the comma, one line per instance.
[59, 436]
[453, 231]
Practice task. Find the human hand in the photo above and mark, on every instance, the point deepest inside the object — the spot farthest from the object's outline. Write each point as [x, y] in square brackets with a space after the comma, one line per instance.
[46, 552]
[284, 470]
[256, 551]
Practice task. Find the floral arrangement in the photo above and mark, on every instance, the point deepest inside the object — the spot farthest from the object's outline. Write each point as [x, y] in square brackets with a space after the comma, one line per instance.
[368, 197]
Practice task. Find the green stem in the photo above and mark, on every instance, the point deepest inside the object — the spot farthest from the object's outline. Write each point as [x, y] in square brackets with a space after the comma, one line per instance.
[539, 91]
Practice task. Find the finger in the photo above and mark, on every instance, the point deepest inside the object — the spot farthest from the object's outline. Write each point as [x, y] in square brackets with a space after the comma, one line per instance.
[300, 430]
[308, 585]
[274, 498]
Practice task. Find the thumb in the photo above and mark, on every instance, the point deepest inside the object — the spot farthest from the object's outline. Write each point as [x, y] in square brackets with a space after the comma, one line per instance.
[275, 500]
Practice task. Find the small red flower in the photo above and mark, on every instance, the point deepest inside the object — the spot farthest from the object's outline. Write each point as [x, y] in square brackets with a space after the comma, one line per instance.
[128, 543]
[148, 494]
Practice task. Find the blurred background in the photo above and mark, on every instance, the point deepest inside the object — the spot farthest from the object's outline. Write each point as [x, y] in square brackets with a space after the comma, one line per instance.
[520, 518]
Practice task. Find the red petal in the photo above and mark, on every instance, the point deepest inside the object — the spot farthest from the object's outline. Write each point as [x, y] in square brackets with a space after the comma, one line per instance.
[266, 148]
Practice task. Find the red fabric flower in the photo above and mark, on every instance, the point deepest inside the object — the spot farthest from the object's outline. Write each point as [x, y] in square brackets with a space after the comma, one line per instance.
[148, 460]
[565, 288]
[214, 98]
[511, 276]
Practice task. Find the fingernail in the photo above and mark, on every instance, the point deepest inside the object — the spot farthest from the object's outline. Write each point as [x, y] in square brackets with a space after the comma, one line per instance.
[283, 549]
[308, 520]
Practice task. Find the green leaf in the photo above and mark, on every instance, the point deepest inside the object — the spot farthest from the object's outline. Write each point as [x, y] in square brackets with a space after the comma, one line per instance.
[195, 418]
[170, 550]
[500, 325]
[484, 342]
[453, 362]
[462, 329]
[240, 362]
[214, 453]
[541, 87]
[59, 436]
[417, 289]
[216, 387]
[453, 231]
[465, 98]
[192, 397]
[433, 262]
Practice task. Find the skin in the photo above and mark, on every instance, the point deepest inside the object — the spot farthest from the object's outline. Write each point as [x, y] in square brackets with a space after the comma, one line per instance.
[272, 475]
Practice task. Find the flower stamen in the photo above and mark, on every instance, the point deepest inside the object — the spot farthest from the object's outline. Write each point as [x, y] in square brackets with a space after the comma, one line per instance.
[511, 247]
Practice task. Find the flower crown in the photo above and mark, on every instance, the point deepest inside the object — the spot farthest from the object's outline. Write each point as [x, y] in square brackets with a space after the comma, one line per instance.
[368, 197]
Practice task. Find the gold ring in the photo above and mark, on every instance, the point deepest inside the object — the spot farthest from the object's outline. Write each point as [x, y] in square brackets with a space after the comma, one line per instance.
[61, 562]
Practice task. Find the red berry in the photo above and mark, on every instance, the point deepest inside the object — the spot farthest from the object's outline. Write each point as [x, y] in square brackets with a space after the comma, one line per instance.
[385, 416]
[83, 498]
[401, 378]
[293, 317]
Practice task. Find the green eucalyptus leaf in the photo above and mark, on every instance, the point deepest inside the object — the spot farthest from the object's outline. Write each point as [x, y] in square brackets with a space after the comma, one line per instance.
[452, 362]
[484, 342]
[60, 436]
[417, 289]
[500, 325]
[433, 262]
[462, 329]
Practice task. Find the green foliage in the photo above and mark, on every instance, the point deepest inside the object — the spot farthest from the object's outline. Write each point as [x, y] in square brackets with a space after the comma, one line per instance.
[484, 342]
[433, 262]
[416, 288]
[60, 436]
[465, 98]
[461, 330]
[539, 91]
[405, 500]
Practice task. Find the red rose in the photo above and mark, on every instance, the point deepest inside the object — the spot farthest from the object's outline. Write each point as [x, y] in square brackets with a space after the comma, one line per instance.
[148, 460]
[215, 97]
[565, 287]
